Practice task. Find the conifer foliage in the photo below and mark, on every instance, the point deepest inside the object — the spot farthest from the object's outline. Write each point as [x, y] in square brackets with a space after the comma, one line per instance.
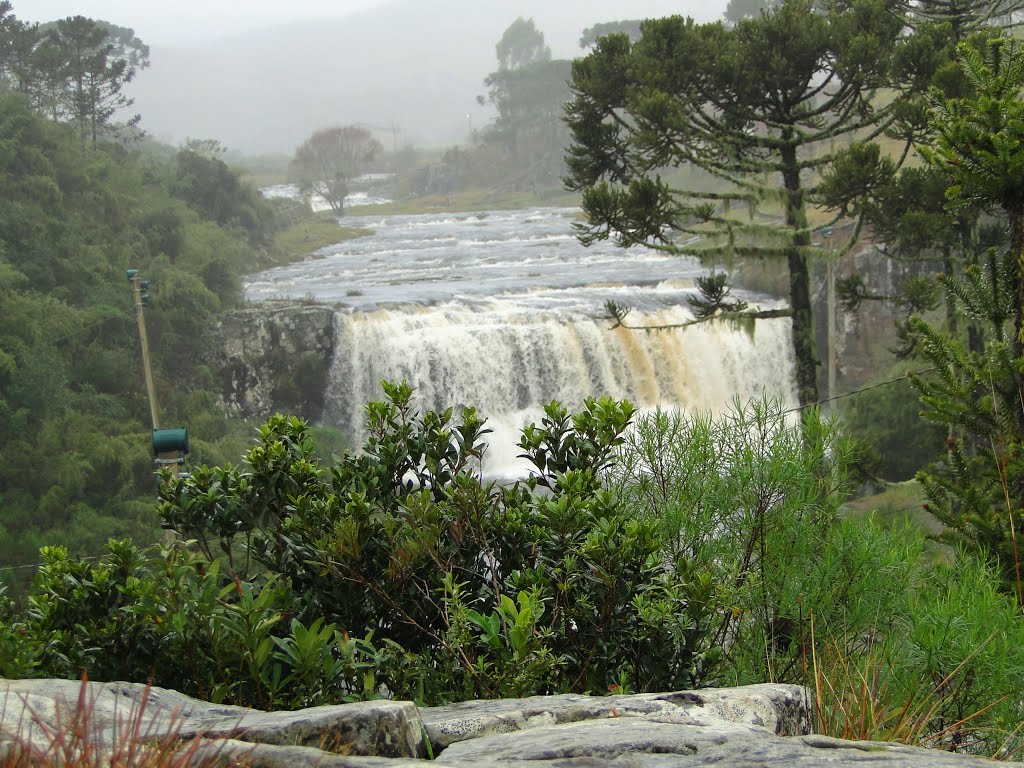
[755, 107]
[979, 148]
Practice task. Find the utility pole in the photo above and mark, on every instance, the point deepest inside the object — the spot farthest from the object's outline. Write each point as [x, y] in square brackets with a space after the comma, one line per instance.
[138, 294]
[169, 445]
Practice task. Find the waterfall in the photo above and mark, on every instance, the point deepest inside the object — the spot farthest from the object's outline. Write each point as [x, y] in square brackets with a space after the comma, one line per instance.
[508, 362]
[495, 310]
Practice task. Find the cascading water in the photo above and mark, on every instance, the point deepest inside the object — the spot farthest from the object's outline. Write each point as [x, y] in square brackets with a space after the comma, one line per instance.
[500, 311]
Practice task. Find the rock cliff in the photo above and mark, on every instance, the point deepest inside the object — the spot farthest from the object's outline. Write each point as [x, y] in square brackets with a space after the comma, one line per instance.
[760, 725]
[274, 357]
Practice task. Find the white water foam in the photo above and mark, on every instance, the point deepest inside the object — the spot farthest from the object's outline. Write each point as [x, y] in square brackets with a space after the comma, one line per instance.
[508, 364]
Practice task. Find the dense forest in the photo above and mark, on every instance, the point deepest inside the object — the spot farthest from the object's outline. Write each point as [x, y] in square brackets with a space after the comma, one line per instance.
[78, 207]
[642, 553]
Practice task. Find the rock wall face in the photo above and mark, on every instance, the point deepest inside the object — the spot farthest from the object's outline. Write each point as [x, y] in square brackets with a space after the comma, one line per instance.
[274, 357]
[863, 340]
[751, 726]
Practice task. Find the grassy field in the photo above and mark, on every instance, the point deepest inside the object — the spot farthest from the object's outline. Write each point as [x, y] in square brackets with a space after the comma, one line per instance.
[309, 235]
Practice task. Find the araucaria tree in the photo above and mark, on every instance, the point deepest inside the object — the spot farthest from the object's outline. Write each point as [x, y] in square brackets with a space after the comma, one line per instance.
[979, 147]
[759, 106]
[92, 72]
[328, 160]
[74, 69]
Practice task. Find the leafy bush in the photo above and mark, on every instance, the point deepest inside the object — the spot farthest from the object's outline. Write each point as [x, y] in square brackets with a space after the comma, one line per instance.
[680, 552]
[173, 618]
[549, 584]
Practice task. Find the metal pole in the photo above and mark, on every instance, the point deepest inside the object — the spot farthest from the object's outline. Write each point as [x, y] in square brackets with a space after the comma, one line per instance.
[831, 333]
[154, 409]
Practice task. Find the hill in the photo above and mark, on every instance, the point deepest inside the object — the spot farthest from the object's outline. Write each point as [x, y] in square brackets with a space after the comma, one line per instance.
[409, 69]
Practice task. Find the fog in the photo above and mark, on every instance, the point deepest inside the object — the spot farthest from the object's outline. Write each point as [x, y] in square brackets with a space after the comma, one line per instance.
[261, 77]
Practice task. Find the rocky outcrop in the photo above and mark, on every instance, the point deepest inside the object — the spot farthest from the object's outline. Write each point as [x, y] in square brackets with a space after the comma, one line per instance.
[761, 725]
[782, 709]
[274, 357]
[33, 709]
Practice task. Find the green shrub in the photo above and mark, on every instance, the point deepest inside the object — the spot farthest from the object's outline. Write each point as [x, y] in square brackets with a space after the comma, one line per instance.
[548, 585]
[943, 671]
[173, 618]
[749, 501]
[681, 552]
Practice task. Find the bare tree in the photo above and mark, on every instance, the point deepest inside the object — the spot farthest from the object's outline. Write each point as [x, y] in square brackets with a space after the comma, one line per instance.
[329, 159]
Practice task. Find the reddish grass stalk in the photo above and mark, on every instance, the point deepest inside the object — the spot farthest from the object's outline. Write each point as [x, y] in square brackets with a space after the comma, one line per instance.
[856, 705]
[76, 739]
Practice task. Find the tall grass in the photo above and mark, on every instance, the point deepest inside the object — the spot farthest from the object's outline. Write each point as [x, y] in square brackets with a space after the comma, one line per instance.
[944, 671]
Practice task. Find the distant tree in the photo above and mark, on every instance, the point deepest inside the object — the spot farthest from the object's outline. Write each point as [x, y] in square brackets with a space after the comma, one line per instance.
[20, 67]
[737, 10]
[94, 61]
[205, 147]
[73, 69]
[528, 90]
[521, 45]
[208, 186]
[7, 27]
[630, 27]
[328, 160]
[126, 46]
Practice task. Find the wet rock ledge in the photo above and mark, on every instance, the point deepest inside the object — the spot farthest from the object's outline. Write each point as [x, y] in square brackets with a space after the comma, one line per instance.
[758, 725]
[273, 356]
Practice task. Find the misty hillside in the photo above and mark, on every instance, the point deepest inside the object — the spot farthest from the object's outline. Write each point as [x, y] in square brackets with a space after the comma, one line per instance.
[410, 69]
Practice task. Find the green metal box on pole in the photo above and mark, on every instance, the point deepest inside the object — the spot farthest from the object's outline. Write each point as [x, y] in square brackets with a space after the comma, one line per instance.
[170, 441]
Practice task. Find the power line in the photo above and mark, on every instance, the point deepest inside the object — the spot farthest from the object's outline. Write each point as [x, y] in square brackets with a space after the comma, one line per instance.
[40, 565]
[83, 329]
[905, 376]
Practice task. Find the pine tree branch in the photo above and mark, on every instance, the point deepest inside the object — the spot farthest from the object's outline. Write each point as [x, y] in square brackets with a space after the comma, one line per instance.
[616, 314]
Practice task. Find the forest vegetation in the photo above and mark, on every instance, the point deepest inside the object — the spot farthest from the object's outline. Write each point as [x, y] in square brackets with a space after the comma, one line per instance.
[642, 553]
[75, 213]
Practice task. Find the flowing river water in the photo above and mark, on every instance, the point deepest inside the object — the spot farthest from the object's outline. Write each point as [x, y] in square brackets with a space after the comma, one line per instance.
[502, 310]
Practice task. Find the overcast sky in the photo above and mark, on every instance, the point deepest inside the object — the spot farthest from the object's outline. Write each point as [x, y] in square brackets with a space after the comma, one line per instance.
[180, 21]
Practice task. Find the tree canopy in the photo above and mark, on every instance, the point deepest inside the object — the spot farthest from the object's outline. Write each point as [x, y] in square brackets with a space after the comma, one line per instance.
[73, 69]
[75, 464]
[757, 107]
[529, 91]
[521, 45]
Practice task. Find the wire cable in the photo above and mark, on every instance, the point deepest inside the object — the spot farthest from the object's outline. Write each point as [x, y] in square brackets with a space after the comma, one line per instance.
[905, 376]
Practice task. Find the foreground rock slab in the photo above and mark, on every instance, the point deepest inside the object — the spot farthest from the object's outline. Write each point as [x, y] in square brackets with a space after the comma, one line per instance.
[31, 708]
[230, 753]
[653, 743]
[747, 727]
[782, 709]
